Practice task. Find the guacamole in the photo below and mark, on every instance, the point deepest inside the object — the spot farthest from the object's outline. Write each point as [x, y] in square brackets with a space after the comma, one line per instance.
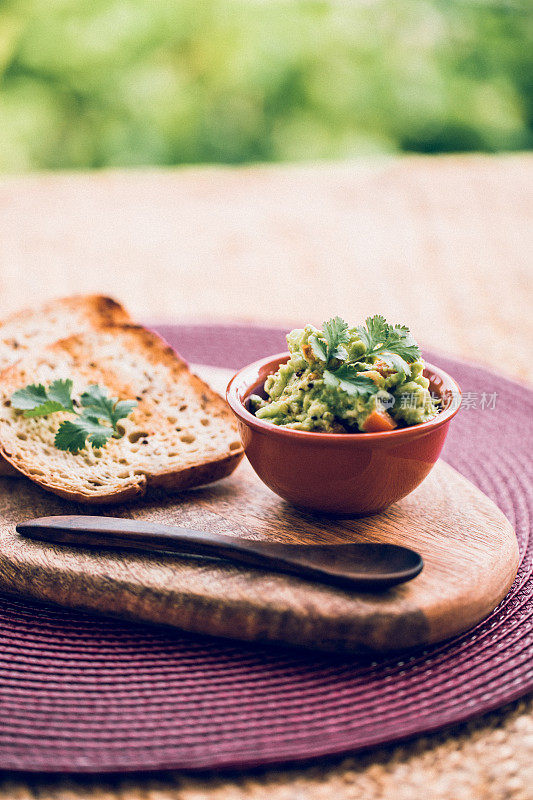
[342, 379]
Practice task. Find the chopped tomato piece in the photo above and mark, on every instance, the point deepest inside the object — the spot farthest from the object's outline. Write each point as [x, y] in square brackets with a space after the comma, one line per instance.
[378, 421]
[373, 374]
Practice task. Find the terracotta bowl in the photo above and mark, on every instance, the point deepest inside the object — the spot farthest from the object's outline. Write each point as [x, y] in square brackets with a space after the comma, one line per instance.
[340, 473]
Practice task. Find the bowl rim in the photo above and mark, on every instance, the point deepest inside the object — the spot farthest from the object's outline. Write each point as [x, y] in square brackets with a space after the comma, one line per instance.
[248, 375]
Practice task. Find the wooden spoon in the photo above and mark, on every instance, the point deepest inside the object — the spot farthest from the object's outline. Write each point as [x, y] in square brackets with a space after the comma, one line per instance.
[362, 565]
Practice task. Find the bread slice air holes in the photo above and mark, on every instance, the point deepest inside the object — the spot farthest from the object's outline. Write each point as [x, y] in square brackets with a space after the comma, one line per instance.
[134, 436]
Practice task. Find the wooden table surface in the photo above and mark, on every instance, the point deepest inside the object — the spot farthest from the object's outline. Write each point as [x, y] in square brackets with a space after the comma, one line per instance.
[443, 244]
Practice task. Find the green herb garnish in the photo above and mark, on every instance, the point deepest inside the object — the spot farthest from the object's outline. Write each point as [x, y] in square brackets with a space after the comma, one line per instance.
[97, 421]
[351, 381]
[37, 401]
[98, 404]
[384, 340]
[392, 343]
[329, 342]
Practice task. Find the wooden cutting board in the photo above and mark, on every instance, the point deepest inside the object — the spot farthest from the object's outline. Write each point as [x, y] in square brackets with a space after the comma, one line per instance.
[468, 545]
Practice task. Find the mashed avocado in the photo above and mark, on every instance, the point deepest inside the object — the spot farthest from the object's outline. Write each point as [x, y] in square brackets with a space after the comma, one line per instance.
[341, 379]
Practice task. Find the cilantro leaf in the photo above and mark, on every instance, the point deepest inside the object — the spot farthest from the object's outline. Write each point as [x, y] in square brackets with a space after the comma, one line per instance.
[96, 423]
[72, 436]
[374, 333]
[319, 347]
[60, 391]
[37, 401]
[31, 397]
[380, 338]
[336, 333]
[97, 403]
[123, 408]
[397, 363]
[48, 407]
[404, 346]
[350, 381]
[329, 342]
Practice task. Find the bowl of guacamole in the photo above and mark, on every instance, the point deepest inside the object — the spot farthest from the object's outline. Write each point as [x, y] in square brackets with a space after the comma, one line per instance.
[367, 378]
[349, 420]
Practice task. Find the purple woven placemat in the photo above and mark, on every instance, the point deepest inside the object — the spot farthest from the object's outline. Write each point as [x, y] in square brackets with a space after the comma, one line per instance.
[87, 694]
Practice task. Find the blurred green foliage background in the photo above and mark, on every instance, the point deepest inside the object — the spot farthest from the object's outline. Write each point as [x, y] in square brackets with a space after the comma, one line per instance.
[95, 83]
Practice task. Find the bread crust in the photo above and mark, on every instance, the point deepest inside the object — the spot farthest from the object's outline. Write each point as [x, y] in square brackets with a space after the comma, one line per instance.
[98, 308]
[188, 478]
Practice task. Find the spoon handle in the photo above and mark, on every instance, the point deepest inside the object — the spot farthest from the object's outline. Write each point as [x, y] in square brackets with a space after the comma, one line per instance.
[351, 565]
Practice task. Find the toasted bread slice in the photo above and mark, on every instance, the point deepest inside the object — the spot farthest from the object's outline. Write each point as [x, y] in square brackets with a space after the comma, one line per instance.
[35, 328]
[181, 433]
